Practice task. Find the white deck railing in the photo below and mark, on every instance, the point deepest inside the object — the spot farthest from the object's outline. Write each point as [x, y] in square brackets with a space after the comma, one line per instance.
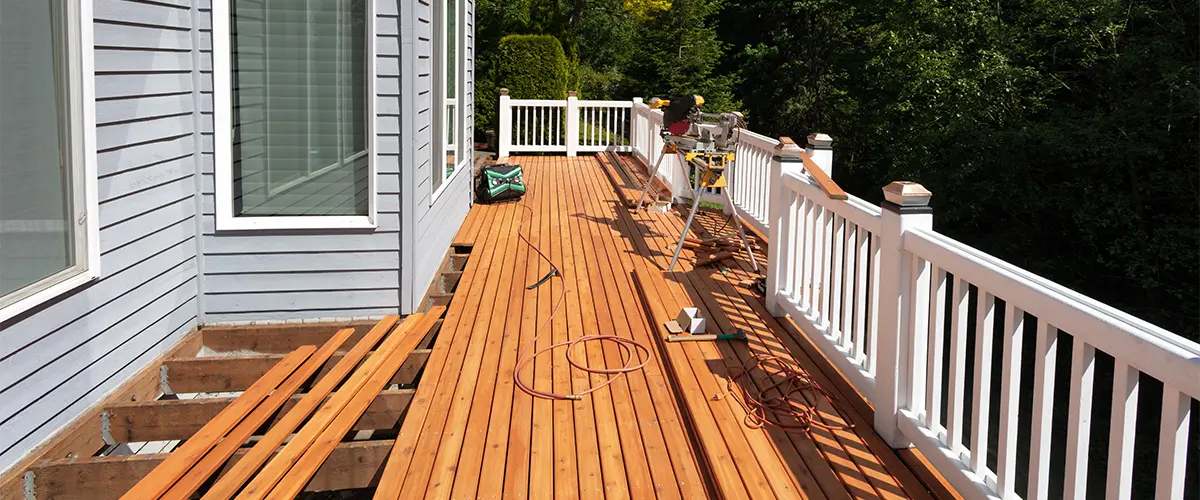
[888, 299]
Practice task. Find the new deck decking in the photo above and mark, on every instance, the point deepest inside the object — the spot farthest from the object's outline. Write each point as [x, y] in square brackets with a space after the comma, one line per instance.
[660, 432]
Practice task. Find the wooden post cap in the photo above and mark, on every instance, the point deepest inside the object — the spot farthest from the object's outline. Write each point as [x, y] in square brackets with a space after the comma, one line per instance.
[820, 141]
[907, 194]
[572, 93]
[503, 91]
[787, 148]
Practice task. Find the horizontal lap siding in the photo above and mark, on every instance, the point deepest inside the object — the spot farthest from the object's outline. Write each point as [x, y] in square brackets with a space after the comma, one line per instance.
[279, 275]
[61, 358]
[435, 221]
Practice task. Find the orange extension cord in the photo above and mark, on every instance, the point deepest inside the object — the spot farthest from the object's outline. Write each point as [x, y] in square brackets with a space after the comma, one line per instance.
[786, 410]
[628, 346]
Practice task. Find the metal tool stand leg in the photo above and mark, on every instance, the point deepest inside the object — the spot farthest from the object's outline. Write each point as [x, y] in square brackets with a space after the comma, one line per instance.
[686, 226]
[650, 180]
[737, 222]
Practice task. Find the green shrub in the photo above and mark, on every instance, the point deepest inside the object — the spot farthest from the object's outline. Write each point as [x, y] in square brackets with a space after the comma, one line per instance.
[533, 67]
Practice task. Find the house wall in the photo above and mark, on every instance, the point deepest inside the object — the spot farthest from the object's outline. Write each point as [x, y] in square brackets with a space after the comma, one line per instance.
[164, 267]
[63, 356]
[435, 221]
[280, 275]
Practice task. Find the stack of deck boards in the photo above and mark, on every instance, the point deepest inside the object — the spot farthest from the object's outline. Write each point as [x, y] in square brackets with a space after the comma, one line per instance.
[283, 472]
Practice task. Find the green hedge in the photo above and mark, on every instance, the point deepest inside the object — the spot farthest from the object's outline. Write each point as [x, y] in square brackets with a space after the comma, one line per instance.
[533, 67]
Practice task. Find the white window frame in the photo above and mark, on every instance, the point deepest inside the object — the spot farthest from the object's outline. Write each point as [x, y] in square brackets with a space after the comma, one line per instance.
[81, 82]
[223, 140]
[438, 162]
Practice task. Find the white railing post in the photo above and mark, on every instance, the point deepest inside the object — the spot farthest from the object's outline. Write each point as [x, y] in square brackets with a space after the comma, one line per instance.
[820, 149]
[504, 137]
[635, 122]
[572, 123]
[787, 157]
[905, 207]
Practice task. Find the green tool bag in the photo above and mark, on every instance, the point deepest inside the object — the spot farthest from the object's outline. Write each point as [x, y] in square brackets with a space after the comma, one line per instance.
[497, 183]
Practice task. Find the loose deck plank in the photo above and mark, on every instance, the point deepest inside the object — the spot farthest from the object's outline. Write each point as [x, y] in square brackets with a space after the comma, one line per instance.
[316, 454]
[212, 462]
[170, 470]
[281, 463]
[229, 484]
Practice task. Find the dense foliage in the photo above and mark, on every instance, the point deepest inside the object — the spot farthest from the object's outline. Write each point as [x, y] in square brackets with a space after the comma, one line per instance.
[1060, 136]
[533, 67]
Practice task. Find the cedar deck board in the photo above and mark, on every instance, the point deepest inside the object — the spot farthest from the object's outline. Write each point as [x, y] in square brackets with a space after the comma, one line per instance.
[471, 409]
[499, 440]
[870, 454]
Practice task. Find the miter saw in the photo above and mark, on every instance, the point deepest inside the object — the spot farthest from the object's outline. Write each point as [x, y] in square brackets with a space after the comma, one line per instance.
[706, 141]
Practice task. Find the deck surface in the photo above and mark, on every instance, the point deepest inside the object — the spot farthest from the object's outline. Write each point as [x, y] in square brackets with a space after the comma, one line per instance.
[662, 432]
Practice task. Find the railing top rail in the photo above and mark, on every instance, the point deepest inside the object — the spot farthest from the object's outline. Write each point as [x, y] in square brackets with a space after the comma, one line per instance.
[1150, 349]
[756, 139]
[538, 102]
[853, 209]
[605, 104]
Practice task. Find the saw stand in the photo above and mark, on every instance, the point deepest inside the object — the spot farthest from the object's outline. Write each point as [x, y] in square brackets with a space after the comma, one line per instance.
[711, 165]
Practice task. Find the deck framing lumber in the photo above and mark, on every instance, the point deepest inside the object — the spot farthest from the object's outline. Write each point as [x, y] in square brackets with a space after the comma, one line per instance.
[229, 485]
[236, 373]
[316, 454]
[207, 466]
[166, 474]
[279, 465]
[178, 419]
[351, 465]
[83, 437]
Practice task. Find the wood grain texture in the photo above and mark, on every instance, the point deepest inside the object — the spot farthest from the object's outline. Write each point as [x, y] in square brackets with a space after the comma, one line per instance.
[155, 484]
[656, 433]
[229, 485]
[215, 458]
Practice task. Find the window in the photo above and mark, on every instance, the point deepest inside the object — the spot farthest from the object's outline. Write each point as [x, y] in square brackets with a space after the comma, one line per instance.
[449, 84]
[293, 110]
[49, 232]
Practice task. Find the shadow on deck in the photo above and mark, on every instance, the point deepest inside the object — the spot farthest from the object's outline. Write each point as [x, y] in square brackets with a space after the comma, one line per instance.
[670, 430]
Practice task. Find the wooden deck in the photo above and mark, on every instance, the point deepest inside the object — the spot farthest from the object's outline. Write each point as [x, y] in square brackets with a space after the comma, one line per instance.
[667, 431]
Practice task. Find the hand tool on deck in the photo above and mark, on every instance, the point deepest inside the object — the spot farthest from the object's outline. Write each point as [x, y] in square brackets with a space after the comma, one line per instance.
[705, 141]
[740, 335]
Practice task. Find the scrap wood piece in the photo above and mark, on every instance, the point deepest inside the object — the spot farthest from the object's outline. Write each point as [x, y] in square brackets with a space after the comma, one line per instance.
[232, 481]
[278, 466]
[719, 256]
[166, 474]
[215, 458]
[304, 469]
